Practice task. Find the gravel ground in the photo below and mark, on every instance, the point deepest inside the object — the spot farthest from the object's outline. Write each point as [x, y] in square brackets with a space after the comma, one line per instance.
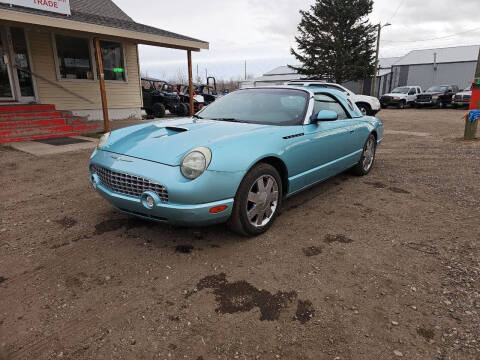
[380, 267]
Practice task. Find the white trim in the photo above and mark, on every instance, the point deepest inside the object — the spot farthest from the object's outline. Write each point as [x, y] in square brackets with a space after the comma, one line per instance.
[32, 66]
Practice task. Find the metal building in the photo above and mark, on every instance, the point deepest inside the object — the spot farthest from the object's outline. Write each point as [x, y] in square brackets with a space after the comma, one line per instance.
[449, 66]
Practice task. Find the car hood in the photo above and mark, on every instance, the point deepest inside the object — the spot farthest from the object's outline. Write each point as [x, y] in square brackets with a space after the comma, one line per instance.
[395, 95]
[167, 142]
[432, 93]
[464, 93]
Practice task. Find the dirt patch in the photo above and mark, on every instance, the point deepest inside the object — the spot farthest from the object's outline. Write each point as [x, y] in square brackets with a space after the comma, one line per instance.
[376, 184]
[305, 311]
[117, 224]
[240, 296]
[428, 334]
[66, 222]
[312, 250]
[329, 239]
[398, 190]
[184, 249]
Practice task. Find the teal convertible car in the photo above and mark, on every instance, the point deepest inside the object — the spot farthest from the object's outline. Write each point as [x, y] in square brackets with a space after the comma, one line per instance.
[235, 160]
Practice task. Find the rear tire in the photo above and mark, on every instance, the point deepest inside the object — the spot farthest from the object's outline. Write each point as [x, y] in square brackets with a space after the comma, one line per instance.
[257, 201]
[158, 110]
[367, 159]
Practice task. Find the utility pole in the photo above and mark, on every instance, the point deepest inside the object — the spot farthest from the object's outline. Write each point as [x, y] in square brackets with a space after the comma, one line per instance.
[374, 88]
[245, 69]
[206, 75]
[197, 72]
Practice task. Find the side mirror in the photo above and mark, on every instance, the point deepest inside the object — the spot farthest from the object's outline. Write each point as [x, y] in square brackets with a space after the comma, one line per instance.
[327, 115]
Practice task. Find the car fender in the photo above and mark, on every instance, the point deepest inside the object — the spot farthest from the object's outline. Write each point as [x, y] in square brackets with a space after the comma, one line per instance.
[370, 100]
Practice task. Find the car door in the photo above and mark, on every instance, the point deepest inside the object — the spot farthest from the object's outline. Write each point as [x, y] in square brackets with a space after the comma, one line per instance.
[412, 95]
[328, 144]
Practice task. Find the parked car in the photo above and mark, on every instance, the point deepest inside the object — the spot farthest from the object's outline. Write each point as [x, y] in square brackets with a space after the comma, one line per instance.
[400, 97]
[235, 160]
[439, 96]
[159, 96]
[462, 98]
[368, 105]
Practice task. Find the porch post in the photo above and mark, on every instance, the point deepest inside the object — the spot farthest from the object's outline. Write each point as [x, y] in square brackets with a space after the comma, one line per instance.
[103, 93]
[190, 81]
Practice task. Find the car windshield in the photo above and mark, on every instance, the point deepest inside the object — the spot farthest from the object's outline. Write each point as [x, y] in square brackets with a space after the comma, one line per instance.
[259, 106]
[400, 90]
[437, 89]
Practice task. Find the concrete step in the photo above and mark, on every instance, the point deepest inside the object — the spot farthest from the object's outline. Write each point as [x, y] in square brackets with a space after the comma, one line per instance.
[23, 134]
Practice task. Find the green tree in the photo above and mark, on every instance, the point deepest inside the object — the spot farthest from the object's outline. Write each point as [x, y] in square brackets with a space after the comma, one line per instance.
[336, 42]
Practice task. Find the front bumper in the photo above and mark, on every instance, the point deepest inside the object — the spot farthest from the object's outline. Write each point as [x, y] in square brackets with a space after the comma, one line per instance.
[189, 201]
[387, 102]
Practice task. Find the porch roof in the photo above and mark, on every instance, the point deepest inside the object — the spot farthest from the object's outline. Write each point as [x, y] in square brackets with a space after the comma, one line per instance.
[112, 22]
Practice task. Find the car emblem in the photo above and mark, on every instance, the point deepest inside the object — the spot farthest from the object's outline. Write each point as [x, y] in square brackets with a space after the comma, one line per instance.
[119, 158]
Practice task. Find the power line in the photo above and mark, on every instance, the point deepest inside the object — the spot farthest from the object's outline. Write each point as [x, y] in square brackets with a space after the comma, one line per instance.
[436, 38]
[396, 11]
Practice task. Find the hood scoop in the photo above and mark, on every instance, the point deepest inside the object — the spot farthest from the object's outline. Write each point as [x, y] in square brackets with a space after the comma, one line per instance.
[171, 130]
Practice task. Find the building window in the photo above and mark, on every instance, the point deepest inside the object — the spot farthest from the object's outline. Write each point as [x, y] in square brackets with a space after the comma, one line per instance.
[112, 58]
[73, 57]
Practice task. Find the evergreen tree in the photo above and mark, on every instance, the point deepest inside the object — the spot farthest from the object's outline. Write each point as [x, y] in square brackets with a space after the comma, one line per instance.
[336, 41]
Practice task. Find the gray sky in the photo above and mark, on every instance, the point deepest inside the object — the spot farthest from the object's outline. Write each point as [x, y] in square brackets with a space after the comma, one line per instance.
[262, 32]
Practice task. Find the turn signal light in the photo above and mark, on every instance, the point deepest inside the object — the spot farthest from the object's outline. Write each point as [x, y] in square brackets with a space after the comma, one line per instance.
[217, 209]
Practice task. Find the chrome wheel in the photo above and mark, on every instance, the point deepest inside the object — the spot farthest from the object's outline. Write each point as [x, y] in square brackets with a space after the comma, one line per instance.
[368, 154]
[262, 200]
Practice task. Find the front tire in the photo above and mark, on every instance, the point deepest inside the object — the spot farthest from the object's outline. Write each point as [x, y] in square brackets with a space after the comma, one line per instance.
[401, 105]
[364, 108]
[365, 163]
[158, 110]
[257, 201]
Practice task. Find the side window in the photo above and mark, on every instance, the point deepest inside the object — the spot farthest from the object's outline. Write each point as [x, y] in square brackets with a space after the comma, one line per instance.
[411, 91]
[325, 102]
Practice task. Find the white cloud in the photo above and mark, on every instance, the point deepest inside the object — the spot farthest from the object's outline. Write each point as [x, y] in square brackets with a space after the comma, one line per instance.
[262, 32]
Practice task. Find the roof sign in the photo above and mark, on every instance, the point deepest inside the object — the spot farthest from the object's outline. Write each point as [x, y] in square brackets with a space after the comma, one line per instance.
[57, 6]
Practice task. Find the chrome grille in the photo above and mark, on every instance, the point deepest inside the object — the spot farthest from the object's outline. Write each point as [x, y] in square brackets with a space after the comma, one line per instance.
[128, 184]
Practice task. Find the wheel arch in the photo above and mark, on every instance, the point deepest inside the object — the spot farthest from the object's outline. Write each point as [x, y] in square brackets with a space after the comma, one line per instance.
[280, 166]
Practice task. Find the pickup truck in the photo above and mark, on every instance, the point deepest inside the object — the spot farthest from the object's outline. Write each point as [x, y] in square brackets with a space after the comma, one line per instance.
[462, 98]
[368, 105]
[400, 97]
[438, 96]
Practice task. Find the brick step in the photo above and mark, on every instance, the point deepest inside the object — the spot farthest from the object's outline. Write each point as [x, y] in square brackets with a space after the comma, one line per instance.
[26, 108]
[19, 116]
[23, 133]
[22, 124]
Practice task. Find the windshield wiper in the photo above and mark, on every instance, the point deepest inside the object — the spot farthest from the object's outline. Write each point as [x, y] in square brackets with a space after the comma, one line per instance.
[228, 119]
[197, 117]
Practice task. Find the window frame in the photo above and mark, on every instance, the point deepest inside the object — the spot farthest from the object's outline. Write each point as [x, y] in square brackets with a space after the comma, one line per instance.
[93, 58]
[57, 62]
[122, 44]
[313, 116]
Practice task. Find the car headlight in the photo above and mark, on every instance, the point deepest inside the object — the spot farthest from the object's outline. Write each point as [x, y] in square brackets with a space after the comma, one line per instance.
[196, 162]
[435, 97]
[102, 140]
[396, 98]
